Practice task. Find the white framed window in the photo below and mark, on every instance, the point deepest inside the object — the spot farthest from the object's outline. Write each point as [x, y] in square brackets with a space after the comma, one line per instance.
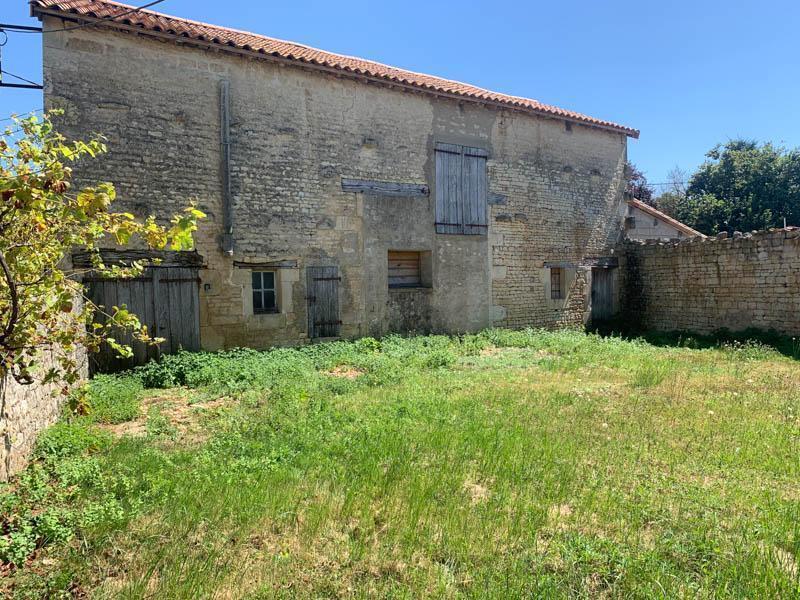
[264, 297]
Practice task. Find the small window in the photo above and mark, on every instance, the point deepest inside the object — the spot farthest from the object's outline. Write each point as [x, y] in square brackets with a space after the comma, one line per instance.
[630, 222]
[404, 269]
[556, 283]
[264, 292]
[655, 222]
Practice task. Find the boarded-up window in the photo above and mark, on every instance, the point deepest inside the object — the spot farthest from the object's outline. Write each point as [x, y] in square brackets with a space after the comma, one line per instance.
[556, 283]
[404, 269]
[461, 189]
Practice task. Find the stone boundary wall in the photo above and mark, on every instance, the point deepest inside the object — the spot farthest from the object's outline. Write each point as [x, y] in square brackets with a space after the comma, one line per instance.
[746, 281]
[25, 410]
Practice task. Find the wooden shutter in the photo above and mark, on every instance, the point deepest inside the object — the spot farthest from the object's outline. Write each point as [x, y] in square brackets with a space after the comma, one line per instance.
[404, 269]
[474, 191]
[448, 189]
[461, 189]
[322, 285]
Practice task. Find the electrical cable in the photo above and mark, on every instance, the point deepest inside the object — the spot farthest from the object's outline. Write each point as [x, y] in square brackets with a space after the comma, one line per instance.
[12, 29]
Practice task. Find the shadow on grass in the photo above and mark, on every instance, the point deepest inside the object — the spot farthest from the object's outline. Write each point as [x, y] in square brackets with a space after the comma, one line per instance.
[787, 345]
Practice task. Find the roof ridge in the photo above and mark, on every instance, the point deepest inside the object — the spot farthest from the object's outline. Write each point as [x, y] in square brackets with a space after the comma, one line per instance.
[148, 20]
[315, 49]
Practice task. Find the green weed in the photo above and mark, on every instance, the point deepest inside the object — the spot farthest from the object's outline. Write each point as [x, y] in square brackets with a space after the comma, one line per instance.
[498, 464]
[113, 398]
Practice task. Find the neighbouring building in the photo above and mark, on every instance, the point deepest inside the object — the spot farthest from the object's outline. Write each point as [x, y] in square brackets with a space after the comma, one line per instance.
[644, 223]
[344, 197]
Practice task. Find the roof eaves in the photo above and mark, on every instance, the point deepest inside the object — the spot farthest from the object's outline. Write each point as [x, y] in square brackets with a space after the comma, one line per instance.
[304, 55]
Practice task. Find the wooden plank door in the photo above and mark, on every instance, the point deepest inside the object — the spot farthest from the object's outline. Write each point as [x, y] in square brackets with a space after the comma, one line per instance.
[135, 294]
[178, 293]
[322, 285]
[165, 299]
[602, 294]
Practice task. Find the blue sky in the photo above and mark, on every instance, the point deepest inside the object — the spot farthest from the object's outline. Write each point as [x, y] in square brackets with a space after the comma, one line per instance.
[687, 74]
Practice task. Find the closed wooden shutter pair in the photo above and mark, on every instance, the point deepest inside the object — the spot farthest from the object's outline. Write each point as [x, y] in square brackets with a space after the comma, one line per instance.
[461, 189]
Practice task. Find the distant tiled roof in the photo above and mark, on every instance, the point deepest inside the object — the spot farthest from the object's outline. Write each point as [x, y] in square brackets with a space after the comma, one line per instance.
[159, 24]
[664, 217]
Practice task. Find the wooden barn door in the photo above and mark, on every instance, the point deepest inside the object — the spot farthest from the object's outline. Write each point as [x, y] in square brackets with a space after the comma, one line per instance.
[163, 298]
[322, 285]
[602, 294]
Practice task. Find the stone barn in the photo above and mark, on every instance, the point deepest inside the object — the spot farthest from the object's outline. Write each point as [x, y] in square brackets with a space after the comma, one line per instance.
[344, 197]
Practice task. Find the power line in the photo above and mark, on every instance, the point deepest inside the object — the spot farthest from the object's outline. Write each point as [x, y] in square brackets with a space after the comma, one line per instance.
[8, 27]
[663, 183]
[23, 29]
[20, 28]
[30, 112]
[20, 78]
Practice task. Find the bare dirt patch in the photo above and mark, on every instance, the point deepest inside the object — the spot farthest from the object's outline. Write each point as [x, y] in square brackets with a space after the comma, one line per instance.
[491, 351]
[345, 371]
[177, 407]
[477, 492]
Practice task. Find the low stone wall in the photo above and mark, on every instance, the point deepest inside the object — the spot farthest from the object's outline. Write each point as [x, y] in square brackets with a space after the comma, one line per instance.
[704, 285]
[25, 410]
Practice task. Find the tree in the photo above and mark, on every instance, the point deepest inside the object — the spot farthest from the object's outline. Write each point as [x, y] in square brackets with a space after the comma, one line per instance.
[637, 184]
[744, 186]
[673, 197]
[41, 222]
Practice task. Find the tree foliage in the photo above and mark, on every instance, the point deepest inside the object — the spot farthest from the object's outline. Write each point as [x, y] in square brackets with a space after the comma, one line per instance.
[42, 220]
[637, 185]
[742, 186]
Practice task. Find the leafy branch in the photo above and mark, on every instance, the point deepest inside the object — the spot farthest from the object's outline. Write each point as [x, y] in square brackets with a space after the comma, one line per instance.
[42, 221]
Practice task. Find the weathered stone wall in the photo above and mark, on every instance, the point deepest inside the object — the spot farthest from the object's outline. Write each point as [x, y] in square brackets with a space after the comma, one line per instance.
[704, 285]
[25, 410]
[294, 135]
[409, 310]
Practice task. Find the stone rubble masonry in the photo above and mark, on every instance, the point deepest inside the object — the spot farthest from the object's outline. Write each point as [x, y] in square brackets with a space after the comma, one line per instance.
[25, 410]
[294, 135]
[704, 285]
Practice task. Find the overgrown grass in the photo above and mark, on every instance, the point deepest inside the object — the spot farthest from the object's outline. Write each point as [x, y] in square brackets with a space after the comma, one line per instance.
[113, 399]
[503, 464]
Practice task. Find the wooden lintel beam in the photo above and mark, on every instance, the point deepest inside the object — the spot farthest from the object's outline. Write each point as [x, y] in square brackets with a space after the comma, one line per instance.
[270, 264]
[165, 258]
[384, 188]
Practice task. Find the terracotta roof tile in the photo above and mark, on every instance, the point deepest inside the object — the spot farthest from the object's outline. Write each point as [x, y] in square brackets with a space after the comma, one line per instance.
[202, 32]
